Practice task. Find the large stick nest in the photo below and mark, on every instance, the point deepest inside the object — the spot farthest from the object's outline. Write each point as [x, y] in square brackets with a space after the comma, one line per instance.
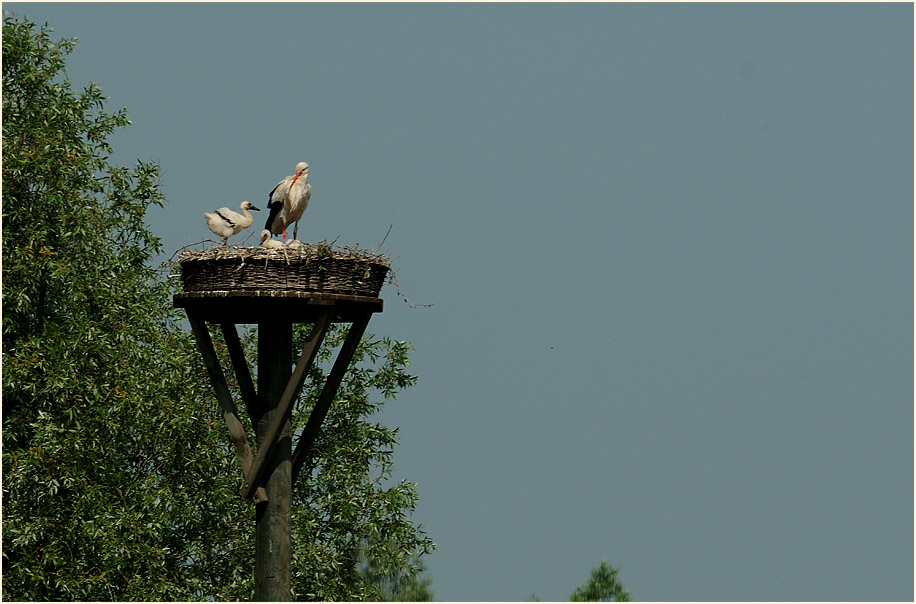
[287, 253]
[319, 268]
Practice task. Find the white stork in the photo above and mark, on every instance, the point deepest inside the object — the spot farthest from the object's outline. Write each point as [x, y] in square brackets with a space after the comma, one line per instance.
[288, 201]
[225, 223]
[267, 242]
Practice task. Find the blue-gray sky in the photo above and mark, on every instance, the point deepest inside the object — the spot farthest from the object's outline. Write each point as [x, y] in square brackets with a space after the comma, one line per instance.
[669, 248]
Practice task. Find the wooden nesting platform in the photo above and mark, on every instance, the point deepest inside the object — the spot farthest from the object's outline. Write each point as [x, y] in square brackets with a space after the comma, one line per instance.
[254, 306]
[255, 284]
[275, 288]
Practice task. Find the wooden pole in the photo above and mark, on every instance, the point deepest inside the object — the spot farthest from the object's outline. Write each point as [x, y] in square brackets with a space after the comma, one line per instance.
[277, 389]
[280, 417]
[273, 542]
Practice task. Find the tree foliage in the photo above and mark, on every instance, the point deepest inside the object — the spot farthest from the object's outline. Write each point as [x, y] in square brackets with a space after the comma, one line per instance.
[602, 586]
[405, 584]
[344, 500]
[94, 477]
[118, 480]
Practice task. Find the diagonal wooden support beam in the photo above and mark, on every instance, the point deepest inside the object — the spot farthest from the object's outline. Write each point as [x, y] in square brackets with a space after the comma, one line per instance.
[310, 432]
[290, 394]
[218, 379]
[242, 372]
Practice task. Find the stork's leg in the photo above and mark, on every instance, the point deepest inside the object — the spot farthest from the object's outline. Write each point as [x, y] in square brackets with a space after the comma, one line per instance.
[284, 235]
[296, 230]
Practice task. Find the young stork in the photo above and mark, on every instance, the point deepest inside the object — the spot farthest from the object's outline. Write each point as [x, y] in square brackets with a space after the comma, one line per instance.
[269, 243]
[225, 223]
[288, 200]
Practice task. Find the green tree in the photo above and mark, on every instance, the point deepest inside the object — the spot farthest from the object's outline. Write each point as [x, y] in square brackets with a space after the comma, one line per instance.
[118, 480]
[404, 584]
[602, 586]
[347, 506]
[99, 489]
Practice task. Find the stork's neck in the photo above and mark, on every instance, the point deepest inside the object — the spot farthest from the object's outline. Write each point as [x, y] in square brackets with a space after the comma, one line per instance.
[248, 217]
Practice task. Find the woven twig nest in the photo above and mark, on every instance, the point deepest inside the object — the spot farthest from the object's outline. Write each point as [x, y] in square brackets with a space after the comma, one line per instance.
[308, 268]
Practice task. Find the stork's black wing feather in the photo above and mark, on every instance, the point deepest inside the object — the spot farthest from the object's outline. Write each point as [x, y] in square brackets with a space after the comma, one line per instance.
[270, 197]
[226, 218]
[274, 210]
[275, 206]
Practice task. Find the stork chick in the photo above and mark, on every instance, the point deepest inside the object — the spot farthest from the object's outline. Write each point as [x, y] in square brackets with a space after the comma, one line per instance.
[269, 243]
[225, 223]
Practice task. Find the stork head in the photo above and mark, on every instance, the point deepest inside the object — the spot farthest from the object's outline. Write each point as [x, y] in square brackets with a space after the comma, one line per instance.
[265, 235]
[247, 205]
[302, 168]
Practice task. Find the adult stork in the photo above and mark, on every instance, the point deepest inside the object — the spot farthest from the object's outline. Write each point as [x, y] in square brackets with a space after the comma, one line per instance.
[288, 201]
[225, 223]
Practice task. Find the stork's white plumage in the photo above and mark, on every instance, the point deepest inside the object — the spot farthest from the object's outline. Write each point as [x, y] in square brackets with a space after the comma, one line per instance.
[267, 242]
[288, 200]
[225, 223]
